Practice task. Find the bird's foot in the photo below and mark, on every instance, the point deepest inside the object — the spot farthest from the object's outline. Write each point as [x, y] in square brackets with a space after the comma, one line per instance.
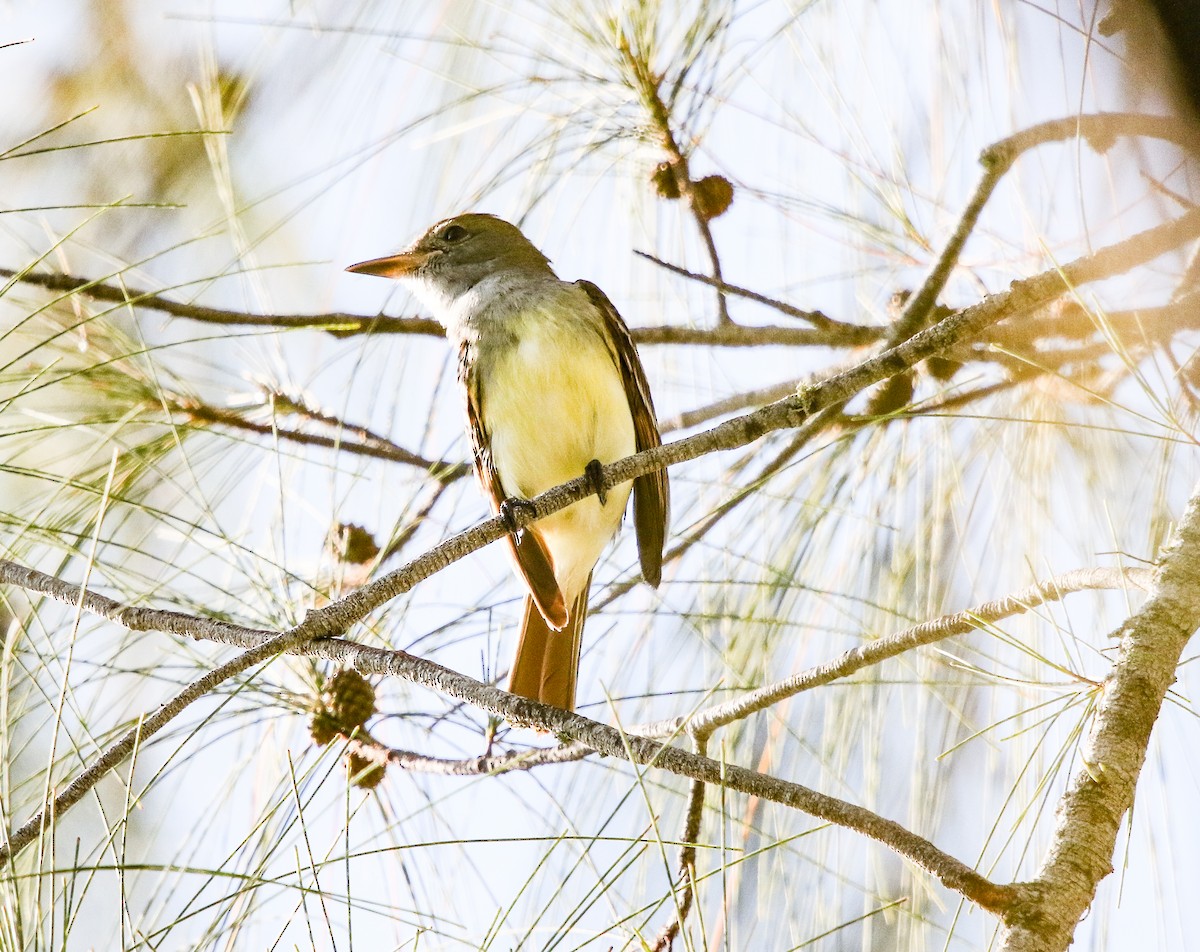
[594, 471]
[511, 506]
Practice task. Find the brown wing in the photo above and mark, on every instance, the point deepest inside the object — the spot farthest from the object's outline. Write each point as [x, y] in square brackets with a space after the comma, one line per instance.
[651, 493]
[530, 554]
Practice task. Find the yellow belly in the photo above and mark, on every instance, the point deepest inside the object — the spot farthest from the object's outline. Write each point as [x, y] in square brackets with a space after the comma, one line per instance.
[551, 404]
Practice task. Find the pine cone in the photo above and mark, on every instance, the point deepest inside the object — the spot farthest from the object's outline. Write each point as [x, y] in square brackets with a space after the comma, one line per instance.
[352, 699]
[354, 544]
[713, 195]
[364, 772]
[664, 181]
[323, 727]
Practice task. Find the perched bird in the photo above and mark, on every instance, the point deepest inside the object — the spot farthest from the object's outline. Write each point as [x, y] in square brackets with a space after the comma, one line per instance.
[553, 389]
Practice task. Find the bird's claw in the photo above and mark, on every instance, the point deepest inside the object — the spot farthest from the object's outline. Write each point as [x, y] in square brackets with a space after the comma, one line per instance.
[594, 471]
[509, 509]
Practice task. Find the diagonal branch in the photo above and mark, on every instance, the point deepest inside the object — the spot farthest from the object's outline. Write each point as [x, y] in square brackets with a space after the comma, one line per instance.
[703, 723]
[1091, 810]
[837, 331]
[1099, 129]
[607, 741]
[647, 86]
[693, 817]
[358, 441]
[42, 821]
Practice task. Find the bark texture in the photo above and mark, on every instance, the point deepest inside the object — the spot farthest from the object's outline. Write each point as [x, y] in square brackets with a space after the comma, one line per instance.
[1044, 916]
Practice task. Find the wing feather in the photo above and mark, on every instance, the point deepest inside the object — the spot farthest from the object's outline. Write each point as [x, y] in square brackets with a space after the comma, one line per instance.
[651, 493]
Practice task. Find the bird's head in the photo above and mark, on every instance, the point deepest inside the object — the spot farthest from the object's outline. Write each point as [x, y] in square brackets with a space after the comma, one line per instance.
[456, 254]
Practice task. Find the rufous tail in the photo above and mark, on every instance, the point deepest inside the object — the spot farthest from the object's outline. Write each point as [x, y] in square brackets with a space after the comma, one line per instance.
[547, 662]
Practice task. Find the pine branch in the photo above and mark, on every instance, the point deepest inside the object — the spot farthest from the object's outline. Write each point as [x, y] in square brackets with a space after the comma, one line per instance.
[337, 323]
[704, 723]
[1091, 810]
[486, 765]
[341, 324]
[309, 638]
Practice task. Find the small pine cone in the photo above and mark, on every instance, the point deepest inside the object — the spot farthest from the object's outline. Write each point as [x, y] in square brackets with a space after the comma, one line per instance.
[893, 394]
[364, 772]
[352, 699]
[664, 181]
[353, 544]
[896, 303]
[323, 727]
[713, 195]
[942, 368]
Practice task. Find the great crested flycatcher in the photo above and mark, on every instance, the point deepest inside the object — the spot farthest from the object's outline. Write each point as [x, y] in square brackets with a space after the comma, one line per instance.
[553, 389]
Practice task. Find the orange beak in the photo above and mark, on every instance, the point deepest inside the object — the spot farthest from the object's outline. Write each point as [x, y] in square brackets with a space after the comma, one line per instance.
[393, 266]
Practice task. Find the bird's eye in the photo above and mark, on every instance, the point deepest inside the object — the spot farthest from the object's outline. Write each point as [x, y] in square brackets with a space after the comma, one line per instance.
[453, 233]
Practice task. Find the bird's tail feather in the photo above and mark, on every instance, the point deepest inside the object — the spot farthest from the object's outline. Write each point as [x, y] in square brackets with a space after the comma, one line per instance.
[547, 662]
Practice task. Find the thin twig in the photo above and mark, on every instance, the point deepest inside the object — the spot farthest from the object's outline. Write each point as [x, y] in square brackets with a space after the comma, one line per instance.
[1100, 130]
[919, 305]
[730, 404]
[647, 86]
[337, 323]
[485, 765]
[703, 723]
[839, 331]
[396, 544]
[687, 856]
[358, 440]
[746, 335]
